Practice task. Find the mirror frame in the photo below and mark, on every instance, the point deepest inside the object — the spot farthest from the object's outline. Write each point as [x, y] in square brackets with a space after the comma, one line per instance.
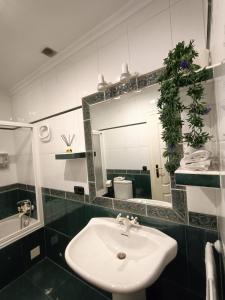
[177, 211]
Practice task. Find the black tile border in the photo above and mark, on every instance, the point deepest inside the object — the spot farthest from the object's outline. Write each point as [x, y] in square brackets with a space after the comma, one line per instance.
[9, 187]
[17, 186]
[103, 201]
[178, 212]
[204, 180]
[71, 196]
[128, 171]
[164, 213]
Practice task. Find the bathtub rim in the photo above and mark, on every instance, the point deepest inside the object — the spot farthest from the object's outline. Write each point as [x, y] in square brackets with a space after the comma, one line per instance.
[9, 239]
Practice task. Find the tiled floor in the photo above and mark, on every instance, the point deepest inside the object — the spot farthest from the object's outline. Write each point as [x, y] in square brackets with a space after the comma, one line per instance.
[47, 281]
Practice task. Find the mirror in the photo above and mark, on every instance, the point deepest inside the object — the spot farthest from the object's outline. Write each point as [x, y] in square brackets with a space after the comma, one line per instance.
[126, 138]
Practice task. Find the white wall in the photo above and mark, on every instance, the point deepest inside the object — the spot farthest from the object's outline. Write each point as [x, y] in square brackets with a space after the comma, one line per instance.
[5, 106]
[143, 40]
[220, 99]
[7, 175]
[24, 159]
[63, 174]
[126, 147]
[218, 31]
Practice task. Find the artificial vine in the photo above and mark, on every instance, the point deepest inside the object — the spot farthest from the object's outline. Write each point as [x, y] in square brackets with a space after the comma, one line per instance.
[181, 71]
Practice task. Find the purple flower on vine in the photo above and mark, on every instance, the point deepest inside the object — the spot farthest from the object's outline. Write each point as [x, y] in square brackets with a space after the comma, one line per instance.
[206, 110]
[184, 64]
[171, 148]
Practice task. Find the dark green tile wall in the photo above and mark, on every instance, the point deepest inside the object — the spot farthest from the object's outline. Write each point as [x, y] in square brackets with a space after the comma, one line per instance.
[10, 197]
[15, 258]
[8, 201]
[184, 278]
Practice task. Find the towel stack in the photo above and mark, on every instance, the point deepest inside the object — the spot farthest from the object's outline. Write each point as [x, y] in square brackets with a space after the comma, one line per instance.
[197, 161]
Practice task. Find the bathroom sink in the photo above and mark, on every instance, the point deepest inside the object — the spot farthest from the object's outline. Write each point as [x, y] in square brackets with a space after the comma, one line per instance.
[117, 262]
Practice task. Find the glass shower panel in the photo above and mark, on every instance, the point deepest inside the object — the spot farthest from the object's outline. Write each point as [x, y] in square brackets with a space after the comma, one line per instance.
[17, 184]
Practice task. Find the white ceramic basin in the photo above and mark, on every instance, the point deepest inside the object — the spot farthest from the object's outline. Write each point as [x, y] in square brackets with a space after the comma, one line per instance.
[92, 253]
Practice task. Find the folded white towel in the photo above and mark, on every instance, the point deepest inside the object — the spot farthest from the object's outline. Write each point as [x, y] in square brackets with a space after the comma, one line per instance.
[197, 160]
[197, 156]
[195, 166]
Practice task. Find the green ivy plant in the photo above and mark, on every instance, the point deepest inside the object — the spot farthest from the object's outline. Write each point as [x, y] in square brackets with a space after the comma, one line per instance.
[180, 71]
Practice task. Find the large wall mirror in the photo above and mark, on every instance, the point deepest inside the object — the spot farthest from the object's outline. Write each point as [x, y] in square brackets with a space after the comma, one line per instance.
[125, 150]
[126, 138]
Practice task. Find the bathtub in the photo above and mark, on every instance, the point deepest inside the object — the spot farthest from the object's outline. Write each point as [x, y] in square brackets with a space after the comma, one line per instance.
[10, 229]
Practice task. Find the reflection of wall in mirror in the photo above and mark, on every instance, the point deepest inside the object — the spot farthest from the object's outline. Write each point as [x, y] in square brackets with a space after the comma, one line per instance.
[124, 124]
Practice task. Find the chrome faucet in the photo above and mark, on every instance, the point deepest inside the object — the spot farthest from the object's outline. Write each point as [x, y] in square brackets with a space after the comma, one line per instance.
[128, 222]
[24, 208]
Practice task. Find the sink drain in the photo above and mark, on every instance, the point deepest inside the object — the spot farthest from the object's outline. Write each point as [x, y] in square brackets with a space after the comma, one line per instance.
[121, 255]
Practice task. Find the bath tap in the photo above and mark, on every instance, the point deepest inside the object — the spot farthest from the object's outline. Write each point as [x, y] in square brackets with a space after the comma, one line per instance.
[24, 208]
[128, 222]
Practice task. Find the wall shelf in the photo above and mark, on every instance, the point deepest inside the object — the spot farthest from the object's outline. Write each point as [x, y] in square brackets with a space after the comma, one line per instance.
[210, 178]
[70, 155]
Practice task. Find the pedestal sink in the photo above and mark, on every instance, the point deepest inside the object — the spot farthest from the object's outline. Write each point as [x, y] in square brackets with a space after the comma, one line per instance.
[123, 264]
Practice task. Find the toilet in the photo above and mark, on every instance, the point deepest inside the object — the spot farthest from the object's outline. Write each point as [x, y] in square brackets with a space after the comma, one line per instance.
[123, 189]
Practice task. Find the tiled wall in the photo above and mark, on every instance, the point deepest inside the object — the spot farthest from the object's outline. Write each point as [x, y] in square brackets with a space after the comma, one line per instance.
[6, 106]
[184, 278]
[217, 32]
[24, 159]
[11, 194]
[7, 175]
[15, 258]
[139, 40]
[63, 174]
[126, 141]
[66, 214]
[220, 97]
[17, 143]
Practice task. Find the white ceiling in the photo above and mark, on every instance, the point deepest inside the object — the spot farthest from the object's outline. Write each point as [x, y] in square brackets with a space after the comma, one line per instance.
[27, 26]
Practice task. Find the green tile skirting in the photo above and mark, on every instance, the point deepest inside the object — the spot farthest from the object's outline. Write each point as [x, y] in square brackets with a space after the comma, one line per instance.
[178, 215]
[202, 220]
[127, 171]
[198, 180]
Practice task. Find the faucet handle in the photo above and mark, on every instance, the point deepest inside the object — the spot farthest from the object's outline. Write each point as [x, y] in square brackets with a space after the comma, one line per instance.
[134, 221]
[119, 218]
